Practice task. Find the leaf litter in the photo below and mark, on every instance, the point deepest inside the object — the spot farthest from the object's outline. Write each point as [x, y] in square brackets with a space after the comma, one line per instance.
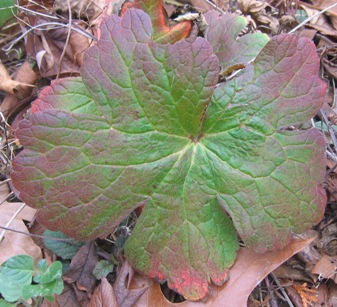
[329, 247]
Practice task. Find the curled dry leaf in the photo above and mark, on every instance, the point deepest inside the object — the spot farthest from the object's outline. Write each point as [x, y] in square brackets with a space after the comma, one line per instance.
[80, 272]
[125, 296]
[25, 75]
[326, 267]
[103, 296]
[7, 84]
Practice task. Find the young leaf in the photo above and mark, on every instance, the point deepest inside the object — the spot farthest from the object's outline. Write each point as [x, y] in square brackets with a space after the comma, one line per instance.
[49, 274]
[44, 290]
[169, 137]
[102, 269]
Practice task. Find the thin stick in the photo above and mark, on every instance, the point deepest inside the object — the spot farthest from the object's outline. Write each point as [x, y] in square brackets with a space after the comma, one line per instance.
[215, 6]
[8, 196]
[2, 234]
[330, 128]
[286, 297]
[67, 40]
[37, 236]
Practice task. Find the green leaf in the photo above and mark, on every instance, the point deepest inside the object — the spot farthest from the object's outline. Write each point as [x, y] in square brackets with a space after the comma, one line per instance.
[44, 290]
[63, 249]
[6, 11]
[209, 161]
[225, 28]
[49, 274]
[4, 303]
[102, 269]
[15, 273]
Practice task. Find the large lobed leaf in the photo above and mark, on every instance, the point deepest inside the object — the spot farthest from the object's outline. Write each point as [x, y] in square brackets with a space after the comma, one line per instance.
[147, 123]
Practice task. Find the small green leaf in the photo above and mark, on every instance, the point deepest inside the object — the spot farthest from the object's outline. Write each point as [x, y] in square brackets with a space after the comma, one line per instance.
[42, 265]
[15, 273]
[53, 272]
[63, 249]
[43, 290]
[102, 269]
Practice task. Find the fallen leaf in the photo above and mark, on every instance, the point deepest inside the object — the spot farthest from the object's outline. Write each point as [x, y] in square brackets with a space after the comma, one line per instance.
[50, 47]
[68, 297]
[16, 243]
[323, 296]
[82, 9]
[7, 84]
[326, 268]
[333, 294]
[80, 272]
[331, 13]
[103, 296]
[124, 295]
[24, 75]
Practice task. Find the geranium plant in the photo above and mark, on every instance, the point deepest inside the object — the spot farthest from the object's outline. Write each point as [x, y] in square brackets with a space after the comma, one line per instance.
[148, 123]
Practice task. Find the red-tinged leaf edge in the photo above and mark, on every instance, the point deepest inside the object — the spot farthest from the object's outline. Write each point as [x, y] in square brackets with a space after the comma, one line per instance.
[162, 32]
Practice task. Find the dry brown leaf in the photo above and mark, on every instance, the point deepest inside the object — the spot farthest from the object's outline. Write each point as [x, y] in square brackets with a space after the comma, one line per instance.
[323, 23]
[7, 84]
[80, 274]
[247, 272]
[125, 296]
[332, 295]
[48, 45]
[261, 12]
[103, 296]
[24, 74]
[326, 267]
[84, 9]
[68, 297]
[323, 296]
[332, 13]
[16, 243]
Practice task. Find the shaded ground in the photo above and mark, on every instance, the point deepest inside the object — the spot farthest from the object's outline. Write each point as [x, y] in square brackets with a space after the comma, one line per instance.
[51, 51]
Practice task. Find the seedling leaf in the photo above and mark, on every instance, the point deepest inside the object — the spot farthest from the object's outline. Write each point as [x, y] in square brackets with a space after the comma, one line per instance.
[102, 269]
[164, 134]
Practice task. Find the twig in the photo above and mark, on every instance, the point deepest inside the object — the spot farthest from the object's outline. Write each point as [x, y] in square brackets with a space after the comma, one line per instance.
[2, 234]
[330, 128]
[214, 6]
[37, 236]
[36, 12]
[285, 295]
[273, 301]
[67, 40]
[8, 196]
